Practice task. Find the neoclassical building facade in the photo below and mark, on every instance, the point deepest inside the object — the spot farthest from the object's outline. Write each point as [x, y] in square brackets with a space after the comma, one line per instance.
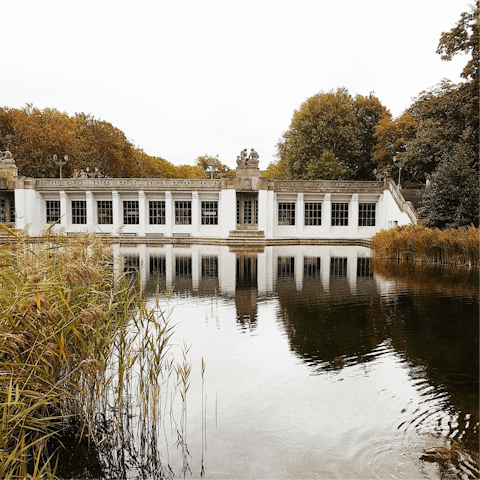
[247, 206]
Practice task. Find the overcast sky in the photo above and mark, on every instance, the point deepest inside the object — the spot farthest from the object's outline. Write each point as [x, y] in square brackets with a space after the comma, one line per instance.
[187, 78]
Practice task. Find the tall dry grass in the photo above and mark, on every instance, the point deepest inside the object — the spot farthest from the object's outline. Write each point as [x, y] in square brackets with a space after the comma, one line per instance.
[60, 311]
[458, 247]
[80, 348]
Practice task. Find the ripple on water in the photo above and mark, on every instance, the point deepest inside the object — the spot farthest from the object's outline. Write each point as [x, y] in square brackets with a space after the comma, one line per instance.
[412, 457]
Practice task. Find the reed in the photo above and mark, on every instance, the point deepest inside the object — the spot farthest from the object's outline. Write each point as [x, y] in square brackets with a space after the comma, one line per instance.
[459, 247]
[75, 340]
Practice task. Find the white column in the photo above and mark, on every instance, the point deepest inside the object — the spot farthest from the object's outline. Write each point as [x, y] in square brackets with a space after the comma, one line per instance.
[91, 210]
[169, 266]
[325, 271]
[353, 215]
[169, 213]
[195, 213]
[142, 262]
[299, 270]
[142, 213]
[327, 212]
[65, 211]
[196, 268]
[117, 212]
[300, 214]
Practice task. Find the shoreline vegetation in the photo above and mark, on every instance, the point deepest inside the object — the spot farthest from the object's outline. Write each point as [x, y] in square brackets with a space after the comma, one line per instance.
[76, 343]
[455, 247]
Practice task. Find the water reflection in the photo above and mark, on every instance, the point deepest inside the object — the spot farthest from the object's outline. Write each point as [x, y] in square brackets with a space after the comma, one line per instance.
[391, 350]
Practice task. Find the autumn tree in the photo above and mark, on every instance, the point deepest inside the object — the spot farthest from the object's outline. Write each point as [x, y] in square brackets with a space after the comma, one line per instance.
[369, 113]
[335, 127]
[213, 167]
[392, 136]
[276, 170]
[34, 136]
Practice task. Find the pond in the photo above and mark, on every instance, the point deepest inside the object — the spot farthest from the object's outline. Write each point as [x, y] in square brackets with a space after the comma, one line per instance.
[319, 362]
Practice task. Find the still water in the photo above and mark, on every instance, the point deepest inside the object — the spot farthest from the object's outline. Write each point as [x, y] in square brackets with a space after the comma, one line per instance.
[320, 362]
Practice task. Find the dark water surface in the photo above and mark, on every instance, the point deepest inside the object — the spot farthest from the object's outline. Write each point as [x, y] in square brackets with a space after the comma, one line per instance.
[321, 363]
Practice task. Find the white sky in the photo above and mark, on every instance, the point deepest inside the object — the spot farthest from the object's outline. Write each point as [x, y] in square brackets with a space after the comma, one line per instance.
[186, 78]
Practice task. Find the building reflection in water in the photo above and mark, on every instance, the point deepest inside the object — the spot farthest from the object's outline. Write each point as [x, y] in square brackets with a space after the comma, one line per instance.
[245, 274]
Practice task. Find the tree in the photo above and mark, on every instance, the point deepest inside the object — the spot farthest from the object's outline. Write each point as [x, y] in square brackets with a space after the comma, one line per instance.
[369, 112]
[34, 136]
[464, 38]
[276, 170]
[213, 167]
[440, 117]
[331, 122]
[451, 196]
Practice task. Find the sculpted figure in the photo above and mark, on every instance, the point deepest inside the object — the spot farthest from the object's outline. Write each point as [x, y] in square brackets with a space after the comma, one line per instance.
[75, 173]
[253, 159]
[6, 157]
[83, 174]
[242, 161]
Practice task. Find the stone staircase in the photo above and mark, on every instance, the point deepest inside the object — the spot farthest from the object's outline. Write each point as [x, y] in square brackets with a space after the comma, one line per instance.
[247, 234]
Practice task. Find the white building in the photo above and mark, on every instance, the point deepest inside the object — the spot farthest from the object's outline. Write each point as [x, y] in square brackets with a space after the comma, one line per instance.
[246, 207]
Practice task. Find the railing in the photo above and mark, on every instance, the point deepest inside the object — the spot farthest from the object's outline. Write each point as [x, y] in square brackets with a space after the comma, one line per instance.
[402, 204]
[327, 184]
[125, 183]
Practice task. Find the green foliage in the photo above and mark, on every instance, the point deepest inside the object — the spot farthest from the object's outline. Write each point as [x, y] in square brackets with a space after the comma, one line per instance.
[464, 39]
[331, 122]
[328, 168]
[213, 167]
[451, 198]
[276, 170]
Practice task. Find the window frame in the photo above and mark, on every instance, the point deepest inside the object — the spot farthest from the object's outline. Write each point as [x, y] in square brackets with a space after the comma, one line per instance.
[131, 212]
[209, 212]
[367, 214]
[312, 219]
[286, 214]
[79, 212]
[156, 212]
[340, 214]
[50, 211]
[183, 212]
[104, 212]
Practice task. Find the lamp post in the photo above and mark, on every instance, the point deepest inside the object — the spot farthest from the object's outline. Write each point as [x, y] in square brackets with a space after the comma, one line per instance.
[60, 162]
[399, 172]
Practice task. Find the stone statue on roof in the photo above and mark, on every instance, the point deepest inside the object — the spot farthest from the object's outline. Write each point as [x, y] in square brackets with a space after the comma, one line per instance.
[6, 158]
[253, 158]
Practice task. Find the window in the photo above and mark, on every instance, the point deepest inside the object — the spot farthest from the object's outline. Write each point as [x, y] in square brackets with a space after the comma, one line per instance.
[286, 267]
[79, 212]
[104, 212]
[130, 212]
[158, 266]
[363, 267]
[53, 211]
[183, 212]
[311, 267]
[183, 267]
[156, 211]
[3, 211]
[366, 214]
[313, 213]
[12, 210]
[338, 267]
[286, 213]
[210, 267]
[340, 214]
[210, 213]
